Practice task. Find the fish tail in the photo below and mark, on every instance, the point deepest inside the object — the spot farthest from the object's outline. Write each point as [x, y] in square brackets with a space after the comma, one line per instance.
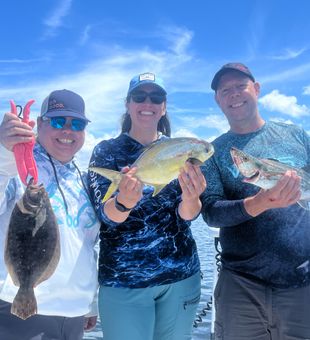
[24, 304]
[112, 175]
[113, 186]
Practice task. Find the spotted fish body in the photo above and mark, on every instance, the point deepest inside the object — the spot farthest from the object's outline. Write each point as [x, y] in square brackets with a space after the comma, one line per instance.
[161, 162]
[32, 248]
[265, 173]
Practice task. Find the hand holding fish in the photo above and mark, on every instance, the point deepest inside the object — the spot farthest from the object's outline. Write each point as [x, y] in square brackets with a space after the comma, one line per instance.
[283, 184]
[193, 184]
[286, 192]
[130, 187]
[14, 131]
[130, 193]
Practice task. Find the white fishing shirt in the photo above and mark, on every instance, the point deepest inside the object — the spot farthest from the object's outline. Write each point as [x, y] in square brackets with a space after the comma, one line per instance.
[72, 288]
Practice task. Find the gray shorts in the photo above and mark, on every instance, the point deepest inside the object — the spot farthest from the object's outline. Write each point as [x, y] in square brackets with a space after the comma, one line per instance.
[39, 327]
[249, 310]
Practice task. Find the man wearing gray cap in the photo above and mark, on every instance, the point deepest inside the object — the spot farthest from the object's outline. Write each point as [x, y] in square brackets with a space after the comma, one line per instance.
[65, 302]
[264, 284]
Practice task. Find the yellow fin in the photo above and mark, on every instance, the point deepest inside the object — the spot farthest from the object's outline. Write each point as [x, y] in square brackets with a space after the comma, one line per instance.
[158, 188]
[112, 175]
[113, 186]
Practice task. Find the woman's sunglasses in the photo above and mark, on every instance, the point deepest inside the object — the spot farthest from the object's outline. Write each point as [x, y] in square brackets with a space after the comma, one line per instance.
[155, 97]
[60, 122]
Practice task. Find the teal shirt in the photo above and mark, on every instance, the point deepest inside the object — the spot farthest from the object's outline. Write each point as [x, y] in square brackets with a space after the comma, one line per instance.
[273, 247]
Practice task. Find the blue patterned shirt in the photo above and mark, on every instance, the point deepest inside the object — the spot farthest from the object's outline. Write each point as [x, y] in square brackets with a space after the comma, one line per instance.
[273, 247]
[154, 246]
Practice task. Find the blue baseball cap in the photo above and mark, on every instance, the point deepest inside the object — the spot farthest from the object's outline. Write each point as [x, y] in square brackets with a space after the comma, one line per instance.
[145, 78]
[241, 68]
[64, 103]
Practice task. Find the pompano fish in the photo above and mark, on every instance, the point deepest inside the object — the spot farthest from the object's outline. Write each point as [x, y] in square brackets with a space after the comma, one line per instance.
[32, 247]
[161, 162]
[265, 173]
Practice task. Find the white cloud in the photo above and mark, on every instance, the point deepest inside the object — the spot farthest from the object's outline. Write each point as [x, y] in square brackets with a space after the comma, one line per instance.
[275, 101]
[83, 156]
[85, 35]
[288, 54]
[218, 122]
[208, 121]
[306, 90]
[103, 82]
[21, 61]
[178, 38]
[287, 75]
[55, 19]
[183, 132]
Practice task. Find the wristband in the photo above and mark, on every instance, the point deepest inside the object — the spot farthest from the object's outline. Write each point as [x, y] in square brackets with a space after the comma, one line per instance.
[119, 206]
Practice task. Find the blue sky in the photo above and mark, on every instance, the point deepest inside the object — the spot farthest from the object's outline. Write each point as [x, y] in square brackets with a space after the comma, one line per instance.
[94, 47]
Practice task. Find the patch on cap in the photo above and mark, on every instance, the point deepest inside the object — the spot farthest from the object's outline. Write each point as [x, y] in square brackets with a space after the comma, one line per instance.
[64, 103]
[53, 105]
[147, 76]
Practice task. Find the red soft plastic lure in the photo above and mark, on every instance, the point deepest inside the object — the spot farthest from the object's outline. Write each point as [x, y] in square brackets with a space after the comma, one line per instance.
[23, 152]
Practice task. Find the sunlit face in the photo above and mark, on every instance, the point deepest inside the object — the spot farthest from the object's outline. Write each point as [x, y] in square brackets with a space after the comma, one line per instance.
[145, 115]
[237, 96]
[62, 144]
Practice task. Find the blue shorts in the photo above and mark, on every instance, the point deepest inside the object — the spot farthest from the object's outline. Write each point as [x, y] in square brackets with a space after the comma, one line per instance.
[164, 312]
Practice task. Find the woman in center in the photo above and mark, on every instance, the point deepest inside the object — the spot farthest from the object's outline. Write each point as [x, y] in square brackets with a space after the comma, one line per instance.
[149, 272]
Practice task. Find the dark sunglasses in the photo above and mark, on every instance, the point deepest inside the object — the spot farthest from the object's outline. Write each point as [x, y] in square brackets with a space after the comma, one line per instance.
[155, 97]
[60, 122]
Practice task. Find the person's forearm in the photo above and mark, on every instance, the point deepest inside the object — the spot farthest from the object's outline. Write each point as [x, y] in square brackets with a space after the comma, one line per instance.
[254, 206]
[225, 213]
[189, 210]
[114, 214]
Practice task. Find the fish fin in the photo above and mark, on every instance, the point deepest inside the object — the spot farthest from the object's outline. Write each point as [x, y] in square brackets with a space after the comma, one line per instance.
[39, 220]
[304, 204]
[195, 161]
[158, 188]
[8, 263]
[24, 304]
[50, 269]
[113, 186]
[12, 273]
[113, 176]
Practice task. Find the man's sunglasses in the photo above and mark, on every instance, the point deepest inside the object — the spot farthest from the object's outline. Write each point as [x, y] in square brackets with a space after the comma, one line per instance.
[155, 97]
[60, 122]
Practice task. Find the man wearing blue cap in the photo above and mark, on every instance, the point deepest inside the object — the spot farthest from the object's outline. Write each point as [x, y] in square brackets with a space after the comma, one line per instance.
[264, 284]
[66, 301]
[148, 264]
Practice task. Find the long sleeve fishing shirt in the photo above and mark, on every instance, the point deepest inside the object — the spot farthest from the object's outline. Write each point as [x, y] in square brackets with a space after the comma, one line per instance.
[154, 246]
[70, 291]
[273, 247]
